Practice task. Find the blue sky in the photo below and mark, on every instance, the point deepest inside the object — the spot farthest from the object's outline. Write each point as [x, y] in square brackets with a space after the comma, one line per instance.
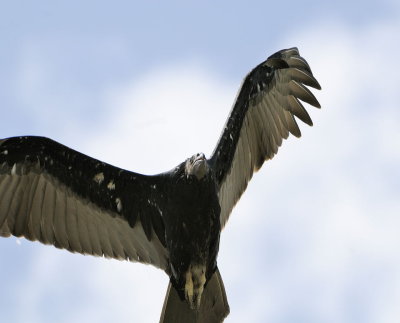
[143, 86]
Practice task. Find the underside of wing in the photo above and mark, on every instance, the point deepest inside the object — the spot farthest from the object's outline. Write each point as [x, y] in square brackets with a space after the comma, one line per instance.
[262, 116]
[58, 196]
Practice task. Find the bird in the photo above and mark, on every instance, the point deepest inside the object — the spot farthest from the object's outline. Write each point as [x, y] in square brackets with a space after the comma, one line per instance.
[172, 220]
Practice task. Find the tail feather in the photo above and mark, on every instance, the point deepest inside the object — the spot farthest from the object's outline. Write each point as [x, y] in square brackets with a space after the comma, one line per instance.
[213, 309]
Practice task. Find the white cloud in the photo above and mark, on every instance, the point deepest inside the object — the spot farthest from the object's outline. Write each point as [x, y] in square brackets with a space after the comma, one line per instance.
[327, 210]
[164, 118]
[314, 239]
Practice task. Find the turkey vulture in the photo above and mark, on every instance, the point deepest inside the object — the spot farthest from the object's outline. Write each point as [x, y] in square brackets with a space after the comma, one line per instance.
[173, 220]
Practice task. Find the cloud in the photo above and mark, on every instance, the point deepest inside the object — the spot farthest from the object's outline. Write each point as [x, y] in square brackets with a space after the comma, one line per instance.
[154, 123]
[325, 217]
[163, 118]
[315, 236]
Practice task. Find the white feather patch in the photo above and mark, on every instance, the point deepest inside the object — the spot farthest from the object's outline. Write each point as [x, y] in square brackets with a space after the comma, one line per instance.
[99, 178]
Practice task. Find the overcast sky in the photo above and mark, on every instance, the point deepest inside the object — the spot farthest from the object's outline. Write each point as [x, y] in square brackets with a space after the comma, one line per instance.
[316, 236]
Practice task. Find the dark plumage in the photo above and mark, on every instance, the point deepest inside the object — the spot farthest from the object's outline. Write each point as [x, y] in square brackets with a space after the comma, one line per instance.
[51, 193]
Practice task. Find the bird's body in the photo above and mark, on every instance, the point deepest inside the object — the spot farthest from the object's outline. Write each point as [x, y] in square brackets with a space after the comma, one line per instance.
[173, 220]
[192, 229]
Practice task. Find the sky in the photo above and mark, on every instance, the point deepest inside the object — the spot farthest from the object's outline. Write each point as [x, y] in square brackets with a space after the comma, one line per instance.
[315, 237]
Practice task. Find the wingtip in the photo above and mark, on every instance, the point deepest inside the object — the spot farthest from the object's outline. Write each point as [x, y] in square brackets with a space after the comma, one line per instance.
[291, 51]
[315, 84]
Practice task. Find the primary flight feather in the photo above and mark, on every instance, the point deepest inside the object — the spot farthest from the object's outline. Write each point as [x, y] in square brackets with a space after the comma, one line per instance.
[173, 220]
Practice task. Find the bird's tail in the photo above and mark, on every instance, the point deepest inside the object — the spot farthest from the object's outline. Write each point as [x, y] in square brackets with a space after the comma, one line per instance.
[213, 309]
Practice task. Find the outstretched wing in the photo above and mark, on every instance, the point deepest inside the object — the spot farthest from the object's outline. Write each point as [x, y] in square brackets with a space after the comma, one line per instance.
[51, 193]
[262, 116]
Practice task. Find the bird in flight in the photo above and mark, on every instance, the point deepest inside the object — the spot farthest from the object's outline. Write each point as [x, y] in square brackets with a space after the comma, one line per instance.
[173, 220]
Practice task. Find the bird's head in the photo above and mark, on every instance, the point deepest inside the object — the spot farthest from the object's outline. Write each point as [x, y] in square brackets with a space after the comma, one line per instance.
[196, 166]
